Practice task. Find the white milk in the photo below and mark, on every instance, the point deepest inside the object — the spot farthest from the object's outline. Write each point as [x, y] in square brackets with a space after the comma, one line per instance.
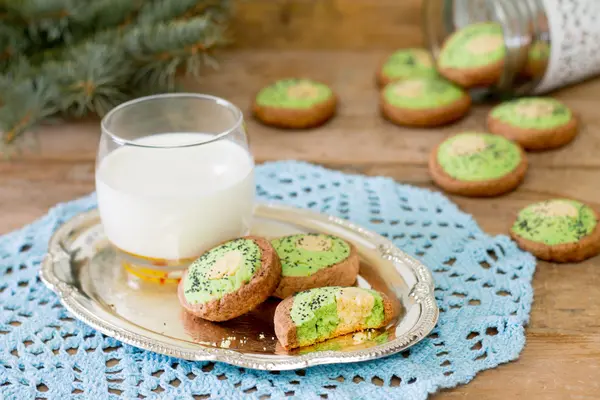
[175, 203]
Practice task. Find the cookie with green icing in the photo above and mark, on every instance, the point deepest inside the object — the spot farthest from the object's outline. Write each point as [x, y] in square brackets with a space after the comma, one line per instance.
[312, 260]
[560, 230]
[295, 103]
[474, 55]
[536, 123]
[406, 64]
[477, 164]
[231, 279]
[424, 102]
[315, 315]
[537, 60]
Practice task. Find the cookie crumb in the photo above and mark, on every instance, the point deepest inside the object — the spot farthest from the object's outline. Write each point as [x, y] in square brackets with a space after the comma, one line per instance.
[225, 343]
[361, 337]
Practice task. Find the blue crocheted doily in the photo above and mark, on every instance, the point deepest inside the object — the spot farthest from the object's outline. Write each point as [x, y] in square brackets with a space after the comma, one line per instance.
[483, 288]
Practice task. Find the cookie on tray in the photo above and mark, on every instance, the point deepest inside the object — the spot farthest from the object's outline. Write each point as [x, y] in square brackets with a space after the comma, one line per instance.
[231, 279]
[477, 164]
[474, 55]
[536, 123]
[424, 102]
[559, 230]
[314, 260]
[295, 103]
[406, 64]
[315, 315]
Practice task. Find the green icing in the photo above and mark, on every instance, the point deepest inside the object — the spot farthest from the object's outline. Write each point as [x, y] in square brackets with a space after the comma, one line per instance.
[536, 225]
[377, 314]
[408, 63]
[296, 261]
[421, 93]
[314, 312]
[557, 113]
[277, 94]
[199, 289]
[455, 53]
[497, 158]
[539, 51]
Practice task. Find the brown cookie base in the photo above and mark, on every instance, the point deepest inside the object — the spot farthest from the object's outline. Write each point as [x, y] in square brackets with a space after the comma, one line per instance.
[341, 274]
[296, 118]
[426, 117]
[285, 329]
[489, 188]
[534, 69]
[382, 79]
[248, 296]
[587, 247]
[484, 76]
[535, 139]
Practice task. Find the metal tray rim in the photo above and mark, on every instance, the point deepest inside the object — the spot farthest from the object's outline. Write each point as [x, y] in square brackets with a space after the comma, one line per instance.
[422, 293]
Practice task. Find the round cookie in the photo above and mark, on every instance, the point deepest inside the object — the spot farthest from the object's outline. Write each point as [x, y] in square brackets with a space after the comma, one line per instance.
[424, 102]
[315, 315]
[405, 64]
[536, 123]
[230, 279]
[474, 55]
[314, 260]
[295, 103]
[477, 164]
[560, 230]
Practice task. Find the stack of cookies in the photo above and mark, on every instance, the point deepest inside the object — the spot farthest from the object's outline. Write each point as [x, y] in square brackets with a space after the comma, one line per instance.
[313, 274]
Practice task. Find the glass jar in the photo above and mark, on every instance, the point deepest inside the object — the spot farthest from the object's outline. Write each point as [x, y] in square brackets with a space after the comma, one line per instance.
[548, 43]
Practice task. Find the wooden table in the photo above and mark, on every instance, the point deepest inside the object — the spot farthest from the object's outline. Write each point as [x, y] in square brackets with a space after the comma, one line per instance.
[562, 355]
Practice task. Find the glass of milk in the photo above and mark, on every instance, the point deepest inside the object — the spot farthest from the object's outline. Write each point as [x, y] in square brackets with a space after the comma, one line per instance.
[174, 177]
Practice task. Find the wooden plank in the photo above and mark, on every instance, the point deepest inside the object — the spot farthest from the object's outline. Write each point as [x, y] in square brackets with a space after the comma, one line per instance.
[358, 135]
[327, 24]
[551, 367]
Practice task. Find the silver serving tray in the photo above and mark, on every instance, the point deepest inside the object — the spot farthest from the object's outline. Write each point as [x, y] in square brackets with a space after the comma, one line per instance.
[82, 269]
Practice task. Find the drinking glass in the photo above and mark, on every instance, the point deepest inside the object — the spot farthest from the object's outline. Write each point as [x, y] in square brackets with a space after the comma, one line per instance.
[174, 177]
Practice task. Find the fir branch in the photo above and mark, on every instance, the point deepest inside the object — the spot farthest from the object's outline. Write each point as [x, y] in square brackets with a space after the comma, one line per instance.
[125, 48]
[92, 78]
[45, 20]
[25, 103]
[104, 15]
[166, 10]
[13, 42]
[162, 49]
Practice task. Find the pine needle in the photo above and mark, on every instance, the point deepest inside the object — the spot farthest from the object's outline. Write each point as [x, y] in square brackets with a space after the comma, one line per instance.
[76, 57]
[163, 49]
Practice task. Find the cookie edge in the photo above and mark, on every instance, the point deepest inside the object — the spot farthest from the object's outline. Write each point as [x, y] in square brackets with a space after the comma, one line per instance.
[295, 284]
[425, 117]
[579, 251]
[232, 305]
[488, 188]
[535, 139]
[484, 76]
[296, 118]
